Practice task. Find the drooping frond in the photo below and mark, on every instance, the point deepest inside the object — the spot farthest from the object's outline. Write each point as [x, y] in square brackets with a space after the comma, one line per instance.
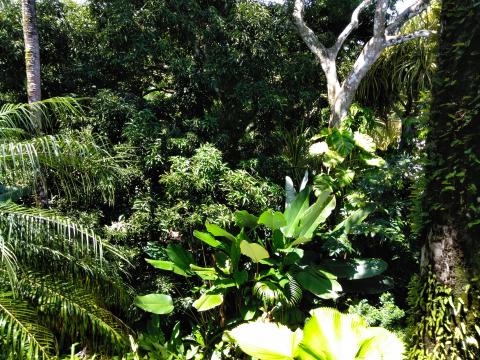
[75, 309]
[28, 224]
[79, 161]
[35, 118]
[20, 330]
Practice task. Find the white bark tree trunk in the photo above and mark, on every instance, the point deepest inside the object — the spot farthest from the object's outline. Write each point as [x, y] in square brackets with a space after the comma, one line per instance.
[340, 96]
[32, 51]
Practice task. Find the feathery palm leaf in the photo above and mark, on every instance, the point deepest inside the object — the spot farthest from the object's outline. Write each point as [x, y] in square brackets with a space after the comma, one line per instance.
[75, 309]
[24, 337]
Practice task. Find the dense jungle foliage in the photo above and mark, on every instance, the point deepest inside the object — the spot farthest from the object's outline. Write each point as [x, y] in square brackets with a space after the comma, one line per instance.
[180, 194]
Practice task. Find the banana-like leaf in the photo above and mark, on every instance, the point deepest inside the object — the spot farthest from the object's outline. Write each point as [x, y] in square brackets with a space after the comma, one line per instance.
[208, 301]
[168, 266]
[318, 284]
[274, 220]
[155, 303]
[254, 251]
[216, 230]
[245, 219]
[207, 239]
[294, 212]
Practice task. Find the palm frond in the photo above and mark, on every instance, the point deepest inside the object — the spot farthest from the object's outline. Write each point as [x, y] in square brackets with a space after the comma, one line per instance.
[36, 118]
[79, 161]
[19, 328]
[293, 293]
[26, 224]
[74, 309]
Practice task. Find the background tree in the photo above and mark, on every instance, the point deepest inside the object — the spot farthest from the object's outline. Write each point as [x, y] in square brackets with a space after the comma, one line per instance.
[447, 297]
[341, 95]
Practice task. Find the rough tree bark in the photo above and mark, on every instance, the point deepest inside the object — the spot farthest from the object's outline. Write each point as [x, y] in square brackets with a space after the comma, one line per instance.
[32, 50]
[341, 95]
[451, 200]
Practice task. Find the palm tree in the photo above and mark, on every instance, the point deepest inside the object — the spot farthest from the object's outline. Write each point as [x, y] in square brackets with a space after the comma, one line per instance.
[32, 50]
[56, 277]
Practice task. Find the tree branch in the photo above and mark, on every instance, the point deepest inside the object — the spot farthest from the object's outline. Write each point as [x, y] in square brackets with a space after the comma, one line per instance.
[379, 19]
[351, 26]
[410, 12]
[306, 33]
[398, 39]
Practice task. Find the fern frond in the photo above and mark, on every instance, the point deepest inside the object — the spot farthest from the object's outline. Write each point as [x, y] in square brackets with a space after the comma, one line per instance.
[74, 309]
[19, 328]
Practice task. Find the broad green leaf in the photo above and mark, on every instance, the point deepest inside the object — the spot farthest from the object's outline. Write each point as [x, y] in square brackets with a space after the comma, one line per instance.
[216, 230]
[245, 219]
[207, 238]
[355, 269]
[318, 284]
[254, 251]
[272, 219]
[341, 141]
[356, 218]
[278, 241]
[208, 301]
[331, 335]
[168, 266]
[290, 192]
[155, 303]
[204, 273]
[179, 256]
[364, 142]
[266, 341]
[316, 215]
[223, 262]
[240, 277]
[318, 148]
[294, 212]
[323, 182]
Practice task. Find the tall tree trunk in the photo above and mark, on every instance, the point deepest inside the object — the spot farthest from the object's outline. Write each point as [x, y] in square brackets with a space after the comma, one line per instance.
[447, 295]
[32, 50]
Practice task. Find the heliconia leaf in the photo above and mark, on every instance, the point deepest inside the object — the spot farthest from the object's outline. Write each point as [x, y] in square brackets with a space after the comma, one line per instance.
[294, 212]
[272, 219]
[204, 273]
[208, 301]
[216, 230]
[207, 238]
[254, 251]
[245, 219]
[316, 215]
[155, 303]
[266, 341]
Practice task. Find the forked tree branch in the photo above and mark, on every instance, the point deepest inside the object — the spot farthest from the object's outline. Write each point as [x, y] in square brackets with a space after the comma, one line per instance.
[353, 25]
[398, 39]
[407, 14]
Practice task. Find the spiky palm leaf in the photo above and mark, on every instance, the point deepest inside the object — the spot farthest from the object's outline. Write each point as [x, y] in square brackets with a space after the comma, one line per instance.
[23, 336]
[75, 309]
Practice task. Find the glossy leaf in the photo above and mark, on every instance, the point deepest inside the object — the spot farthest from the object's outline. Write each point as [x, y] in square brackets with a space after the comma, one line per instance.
[155, 303]
[274, 220]
[364, 142]
[168, 266]
[216, 230]
[254, 251]
[318, 284]
[245, 219]
[208, 301]
[207, 239]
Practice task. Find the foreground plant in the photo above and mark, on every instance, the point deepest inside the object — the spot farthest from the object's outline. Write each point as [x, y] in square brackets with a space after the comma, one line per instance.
[327, 335]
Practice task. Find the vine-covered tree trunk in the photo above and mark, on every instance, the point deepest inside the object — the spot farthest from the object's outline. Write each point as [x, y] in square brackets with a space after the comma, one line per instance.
[447, 295]
[32, 50]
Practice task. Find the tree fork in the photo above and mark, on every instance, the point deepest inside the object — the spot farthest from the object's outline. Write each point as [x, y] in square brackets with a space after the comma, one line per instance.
[341, 95]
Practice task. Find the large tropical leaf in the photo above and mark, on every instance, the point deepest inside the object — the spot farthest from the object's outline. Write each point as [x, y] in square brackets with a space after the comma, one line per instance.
[155, 303]
[266, 341]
